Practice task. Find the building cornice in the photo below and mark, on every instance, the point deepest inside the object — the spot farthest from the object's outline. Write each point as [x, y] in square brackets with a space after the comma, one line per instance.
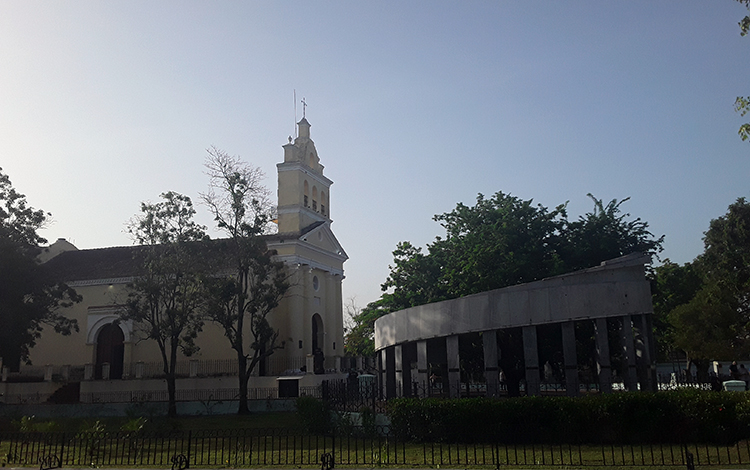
[101, 282]
[297, 260]
[298, 166]
[295, 208]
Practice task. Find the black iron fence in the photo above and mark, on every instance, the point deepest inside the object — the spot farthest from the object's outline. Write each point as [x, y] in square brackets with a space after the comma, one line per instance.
[350, 446]
[502, 389]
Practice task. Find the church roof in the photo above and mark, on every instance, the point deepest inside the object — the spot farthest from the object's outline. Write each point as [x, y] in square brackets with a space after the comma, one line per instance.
[99, 263]
[122, 261]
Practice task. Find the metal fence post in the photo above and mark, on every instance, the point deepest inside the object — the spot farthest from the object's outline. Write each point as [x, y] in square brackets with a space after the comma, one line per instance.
[190, 440]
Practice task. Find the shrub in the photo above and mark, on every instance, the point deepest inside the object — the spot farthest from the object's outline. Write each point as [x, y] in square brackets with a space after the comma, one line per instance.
[637, 418]
[315, 415]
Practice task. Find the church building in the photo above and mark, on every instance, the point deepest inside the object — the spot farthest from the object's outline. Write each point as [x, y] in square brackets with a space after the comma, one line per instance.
[108, 362]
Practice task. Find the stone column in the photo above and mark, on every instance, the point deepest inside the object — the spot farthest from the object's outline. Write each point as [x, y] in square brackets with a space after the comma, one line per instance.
[454, 366]
[531, 360]
[309, 364]
[422, 376]
[390, 372]
[398, 363]
[105, 371]
[360, 363]
[649, 353]
[489, 344]
[628, 348]
[193, 368]
[305, 315]
[66, 372]
[571, 360]
[48, 373]
[139, 369]
[381, 371]
[339, 314]
[88, 372]
[127, 358]
[603, 362]
[294, 315]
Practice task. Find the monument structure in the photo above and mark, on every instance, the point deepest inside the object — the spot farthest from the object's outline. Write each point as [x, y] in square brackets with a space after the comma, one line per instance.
[420, 345]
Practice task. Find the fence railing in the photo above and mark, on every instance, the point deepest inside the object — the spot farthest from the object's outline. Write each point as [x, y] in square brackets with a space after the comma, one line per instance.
[273, 365]
[350, 446]
[479, 389]
[225, 394]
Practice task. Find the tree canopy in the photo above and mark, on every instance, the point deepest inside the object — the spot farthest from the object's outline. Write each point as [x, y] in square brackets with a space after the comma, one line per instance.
[165, 301]
[705, 305]
[254, 282]
[501, 241]
[30, 296]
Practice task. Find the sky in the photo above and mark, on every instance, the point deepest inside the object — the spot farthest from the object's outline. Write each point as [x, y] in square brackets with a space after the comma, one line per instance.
[414, 106]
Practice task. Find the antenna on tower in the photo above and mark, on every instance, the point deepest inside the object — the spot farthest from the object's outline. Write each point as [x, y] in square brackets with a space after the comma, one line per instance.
[295, 113]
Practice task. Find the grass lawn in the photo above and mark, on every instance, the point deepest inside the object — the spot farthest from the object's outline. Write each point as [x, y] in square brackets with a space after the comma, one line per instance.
[287, 420]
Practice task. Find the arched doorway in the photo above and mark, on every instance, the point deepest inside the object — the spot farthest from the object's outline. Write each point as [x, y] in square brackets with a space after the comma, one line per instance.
[110, 348]
[317, 343]
[317, 333]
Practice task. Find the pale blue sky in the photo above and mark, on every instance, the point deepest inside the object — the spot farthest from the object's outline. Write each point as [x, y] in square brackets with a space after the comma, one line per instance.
[414, 107]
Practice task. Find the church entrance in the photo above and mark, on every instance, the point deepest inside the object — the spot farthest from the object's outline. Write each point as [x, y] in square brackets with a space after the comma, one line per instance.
[110, 348]
[317, 343]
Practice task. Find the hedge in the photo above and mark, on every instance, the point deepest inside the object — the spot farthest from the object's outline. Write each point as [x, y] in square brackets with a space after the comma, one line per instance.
[624, 418]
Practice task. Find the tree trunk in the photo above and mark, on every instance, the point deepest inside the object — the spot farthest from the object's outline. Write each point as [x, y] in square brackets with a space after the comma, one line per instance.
[171, 391]
[243, 377]
[701, 370]
[171, 376]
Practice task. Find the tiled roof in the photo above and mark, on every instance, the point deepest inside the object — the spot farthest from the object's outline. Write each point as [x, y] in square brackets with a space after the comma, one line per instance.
[116, 262]
[100, 263]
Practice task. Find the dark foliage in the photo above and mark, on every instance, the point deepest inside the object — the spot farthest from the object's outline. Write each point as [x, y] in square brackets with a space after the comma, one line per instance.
[622, 418]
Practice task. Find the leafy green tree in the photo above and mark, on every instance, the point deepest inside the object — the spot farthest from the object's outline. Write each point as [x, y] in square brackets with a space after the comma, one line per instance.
[714, 323]
[415, 279]
[709, 327]
[164, 303]
[30, 295]
[498, 242]
[606, 233]
[359, 340]
[672, 285]
[254, 283]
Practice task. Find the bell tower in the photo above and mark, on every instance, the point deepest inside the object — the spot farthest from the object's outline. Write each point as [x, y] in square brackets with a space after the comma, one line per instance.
[303, 191]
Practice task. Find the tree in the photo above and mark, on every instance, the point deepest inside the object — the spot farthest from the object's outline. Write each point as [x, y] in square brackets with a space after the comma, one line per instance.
[359, 340]
[742, 103]
[30, 295]
[672, 285]
[254, 283]
[498, 242]
[714, 323]
[164, 303]
[606, 233]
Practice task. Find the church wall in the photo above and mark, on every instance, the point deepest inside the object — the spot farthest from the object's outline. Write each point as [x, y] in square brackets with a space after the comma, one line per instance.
[310, 251]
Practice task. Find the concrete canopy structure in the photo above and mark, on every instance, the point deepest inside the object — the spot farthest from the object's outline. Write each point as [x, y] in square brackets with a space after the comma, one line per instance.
[612, 296]
[309, 318]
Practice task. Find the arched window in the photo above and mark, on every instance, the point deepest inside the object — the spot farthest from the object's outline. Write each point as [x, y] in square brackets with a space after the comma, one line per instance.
[315, 198]
[323, 202]
[311, 160]
[307, 194]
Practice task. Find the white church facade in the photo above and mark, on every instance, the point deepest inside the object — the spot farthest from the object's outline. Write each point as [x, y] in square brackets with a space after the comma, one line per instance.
[106, 361]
